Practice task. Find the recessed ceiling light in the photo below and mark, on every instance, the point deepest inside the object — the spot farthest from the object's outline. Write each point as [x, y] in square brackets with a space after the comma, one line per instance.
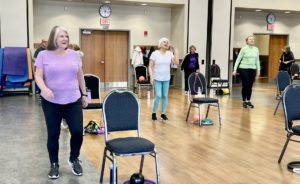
[106, 2]
[287, 12]
[144, 4]
[258, 10]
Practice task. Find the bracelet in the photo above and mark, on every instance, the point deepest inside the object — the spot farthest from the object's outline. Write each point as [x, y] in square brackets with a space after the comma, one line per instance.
[84, 95]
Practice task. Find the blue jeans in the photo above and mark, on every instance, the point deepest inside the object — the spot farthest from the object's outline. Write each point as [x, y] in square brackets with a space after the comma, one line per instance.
[161, 91]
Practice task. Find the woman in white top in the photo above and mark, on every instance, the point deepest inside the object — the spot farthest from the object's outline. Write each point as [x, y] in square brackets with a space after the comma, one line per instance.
[159, 70]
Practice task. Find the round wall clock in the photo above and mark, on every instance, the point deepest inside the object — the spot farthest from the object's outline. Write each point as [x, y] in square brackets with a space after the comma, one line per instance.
[104, 10]
[271, 18]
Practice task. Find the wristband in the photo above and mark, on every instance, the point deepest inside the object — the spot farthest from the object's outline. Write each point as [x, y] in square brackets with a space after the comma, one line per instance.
[84, 95]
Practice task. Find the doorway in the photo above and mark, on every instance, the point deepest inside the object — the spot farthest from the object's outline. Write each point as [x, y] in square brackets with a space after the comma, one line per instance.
[106, 55]
[270, 49]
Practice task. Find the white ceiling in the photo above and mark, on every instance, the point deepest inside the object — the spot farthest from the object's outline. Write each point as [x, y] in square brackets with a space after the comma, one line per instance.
[122, 2]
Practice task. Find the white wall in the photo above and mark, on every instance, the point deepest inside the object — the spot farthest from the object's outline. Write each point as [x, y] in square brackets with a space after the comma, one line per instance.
[198, 29]
[137, 19]
[13, 23]
[220, 35]
[247, 23]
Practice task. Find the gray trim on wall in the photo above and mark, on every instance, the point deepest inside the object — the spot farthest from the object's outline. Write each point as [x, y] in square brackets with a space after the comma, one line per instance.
[27, 20]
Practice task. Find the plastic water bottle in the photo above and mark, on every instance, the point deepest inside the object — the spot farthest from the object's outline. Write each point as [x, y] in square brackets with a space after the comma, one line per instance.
[148, 94]
[89, 95]
[199, 91]
[112, 174]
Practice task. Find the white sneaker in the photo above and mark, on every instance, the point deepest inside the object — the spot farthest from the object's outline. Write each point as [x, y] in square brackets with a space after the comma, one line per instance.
[64, 124]
[186, 93]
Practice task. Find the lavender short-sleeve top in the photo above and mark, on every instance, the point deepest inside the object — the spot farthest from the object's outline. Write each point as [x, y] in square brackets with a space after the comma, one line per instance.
[60, 75]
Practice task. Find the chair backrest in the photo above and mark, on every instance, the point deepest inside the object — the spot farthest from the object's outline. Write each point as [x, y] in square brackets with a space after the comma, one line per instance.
[215, 71]
[141, 70]
[92, 82]
[283, 79]
[291, 101]
[295, 69]
[197, 82]
[121, 111]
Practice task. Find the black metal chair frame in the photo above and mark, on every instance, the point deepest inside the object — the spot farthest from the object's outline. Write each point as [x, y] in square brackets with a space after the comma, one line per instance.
[291, 101]
[121, 112]
[216, 80]
[95, 91]
[294, 69]
[142, 70]
[201, 84]
[283, 79]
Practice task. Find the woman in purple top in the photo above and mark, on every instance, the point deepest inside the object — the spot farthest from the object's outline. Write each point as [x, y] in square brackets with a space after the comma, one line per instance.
[190, 64]
[60, 78]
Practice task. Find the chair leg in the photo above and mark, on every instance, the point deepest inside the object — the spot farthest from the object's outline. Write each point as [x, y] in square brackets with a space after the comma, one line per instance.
[103, 165]
[142, 164]
[277, 107]
[284, 147]
[139, 91]
[206, 116]
[199, 113]
[157, 168]
[219, 114]
[188, 112]
[115, 178]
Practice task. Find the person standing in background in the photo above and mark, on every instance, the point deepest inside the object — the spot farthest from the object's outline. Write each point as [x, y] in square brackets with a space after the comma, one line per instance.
[160, 74]
[286, 59]
[63, 91]
[249, 67]
[190, 65]
[42, 47]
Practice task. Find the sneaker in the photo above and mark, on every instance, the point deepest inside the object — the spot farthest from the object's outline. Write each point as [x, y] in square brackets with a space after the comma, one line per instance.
[186, 93]
[249, 104]
[76, 167]
[245, 104]
[64, 124]
[163, 117]
[154, 118]
[53, 173]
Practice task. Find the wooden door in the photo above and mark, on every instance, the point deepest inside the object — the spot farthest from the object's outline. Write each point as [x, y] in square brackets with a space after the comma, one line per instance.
[116, 56]
[106, 55]
[94, 57]
[276, 44]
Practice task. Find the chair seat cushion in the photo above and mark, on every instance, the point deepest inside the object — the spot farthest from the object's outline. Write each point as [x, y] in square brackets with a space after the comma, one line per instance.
[220, 80]
[205, 100]
[296, 129]
[143, 82]
[94, 106]
[129, 145]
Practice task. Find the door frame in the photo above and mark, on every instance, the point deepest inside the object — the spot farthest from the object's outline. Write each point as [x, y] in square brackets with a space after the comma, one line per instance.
[127, 84]
[273, 34]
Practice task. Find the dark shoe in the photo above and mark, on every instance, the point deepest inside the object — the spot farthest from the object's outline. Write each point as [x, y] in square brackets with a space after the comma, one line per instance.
[154, 118]
[163, 117]
[245, 104]
[76, 167]
[250, 105]
[53, 173]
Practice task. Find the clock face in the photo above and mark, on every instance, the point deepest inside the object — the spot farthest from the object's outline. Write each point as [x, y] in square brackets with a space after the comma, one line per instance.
[271, 18]
[105, 10]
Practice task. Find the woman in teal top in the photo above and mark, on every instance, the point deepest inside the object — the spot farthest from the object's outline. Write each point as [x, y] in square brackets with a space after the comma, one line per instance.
[249, 67]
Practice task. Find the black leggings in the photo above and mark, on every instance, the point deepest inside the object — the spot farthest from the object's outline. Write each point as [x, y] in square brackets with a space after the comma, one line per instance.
[187, 73]
[72, 113]
[248, 77]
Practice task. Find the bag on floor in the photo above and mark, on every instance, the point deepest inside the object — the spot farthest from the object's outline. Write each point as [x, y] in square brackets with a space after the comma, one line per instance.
[93, 127]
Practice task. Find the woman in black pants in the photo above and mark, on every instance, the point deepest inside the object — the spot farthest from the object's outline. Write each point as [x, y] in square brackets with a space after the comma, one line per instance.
[249, 67]
[190, 64]
[60, 78]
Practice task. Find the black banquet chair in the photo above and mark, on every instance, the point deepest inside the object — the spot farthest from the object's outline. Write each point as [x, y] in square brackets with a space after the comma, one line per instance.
[291, 101]
[142, 70]
[295, 73]
[93, 83]
[283, 79]
[197, 82]
[216, 81]
[121, 112]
